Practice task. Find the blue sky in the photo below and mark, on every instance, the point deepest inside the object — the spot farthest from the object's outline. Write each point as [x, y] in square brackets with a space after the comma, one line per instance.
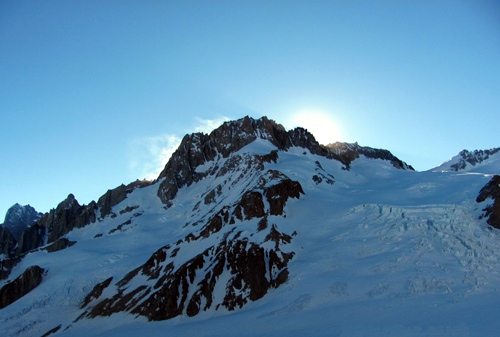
[96, 93]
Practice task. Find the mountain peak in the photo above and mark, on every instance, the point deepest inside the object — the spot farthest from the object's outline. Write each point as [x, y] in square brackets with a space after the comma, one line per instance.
[199, 149]
[19, 217]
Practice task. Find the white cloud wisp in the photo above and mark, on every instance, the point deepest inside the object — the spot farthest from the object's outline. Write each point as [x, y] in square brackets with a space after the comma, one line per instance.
[149, 155]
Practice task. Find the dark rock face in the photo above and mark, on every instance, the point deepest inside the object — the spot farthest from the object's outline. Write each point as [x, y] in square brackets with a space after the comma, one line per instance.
[96, 292]
[117, 195]
[68, 215]
[473, 158]
[8, 247]
[7, 242]
[347, 153]
[22, 285]
[19, 218]
[491, 190]
[32, 238]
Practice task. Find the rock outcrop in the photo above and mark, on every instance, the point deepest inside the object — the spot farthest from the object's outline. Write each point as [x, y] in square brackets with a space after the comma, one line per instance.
[491, 191]
[346, 153]
[115, 196]
[22, 285]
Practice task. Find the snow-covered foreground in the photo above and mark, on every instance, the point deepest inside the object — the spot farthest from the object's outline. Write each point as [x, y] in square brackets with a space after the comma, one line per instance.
[381, 252]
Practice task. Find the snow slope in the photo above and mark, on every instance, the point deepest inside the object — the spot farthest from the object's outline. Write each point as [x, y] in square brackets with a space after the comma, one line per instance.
[379, 252]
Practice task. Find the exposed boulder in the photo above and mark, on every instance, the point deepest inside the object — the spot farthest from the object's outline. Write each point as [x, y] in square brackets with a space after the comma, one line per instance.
[22, 285]
[278, 194]
[491, 191]
[51, 331]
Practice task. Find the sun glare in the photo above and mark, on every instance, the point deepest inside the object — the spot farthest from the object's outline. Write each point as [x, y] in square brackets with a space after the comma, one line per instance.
[321, 125]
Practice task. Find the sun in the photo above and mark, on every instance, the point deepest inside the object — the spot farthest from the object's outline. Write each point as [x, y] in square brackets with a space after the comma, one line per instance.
[321, 124]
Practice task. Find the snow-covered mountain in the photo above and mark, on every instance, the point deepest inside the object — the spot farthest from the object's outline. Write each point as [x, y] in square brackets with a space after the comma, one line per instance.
[486, 161]
[253, 230]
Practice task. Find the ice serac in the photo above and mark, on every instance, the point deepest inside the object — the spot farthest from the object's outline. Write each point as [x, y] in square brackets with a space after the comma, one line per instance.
[491, 191]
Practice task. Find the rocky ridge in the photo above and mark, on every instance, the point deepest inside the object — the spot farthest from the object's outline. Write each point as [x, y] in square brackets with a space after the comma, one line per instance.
[198, 149]
[48, 231]
[472, 158]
